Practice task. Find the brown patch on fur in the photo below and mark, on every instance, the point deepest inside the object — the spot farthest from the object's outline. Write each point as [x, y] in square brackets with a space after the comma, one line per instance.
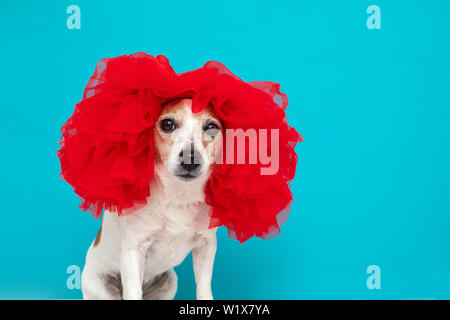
[163, 143]
[113, 284]
[99, 235]
[154, 289]
[157, 155]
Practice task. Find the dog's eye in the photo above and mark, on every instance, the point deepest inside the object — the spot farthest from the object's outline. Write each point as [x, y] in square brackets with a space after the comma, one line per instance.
[211, 126]
[167, 125]
[211, 129]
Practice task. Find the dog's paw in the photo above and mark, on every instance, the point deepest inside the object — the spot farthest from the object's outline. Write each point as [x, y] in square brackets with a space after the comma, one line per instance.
[204, 295]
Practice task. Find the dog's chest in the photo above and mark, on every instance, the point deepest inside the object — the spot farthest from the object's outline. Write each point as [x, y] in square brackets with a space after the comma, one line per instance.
[174, 230]
[167, 252]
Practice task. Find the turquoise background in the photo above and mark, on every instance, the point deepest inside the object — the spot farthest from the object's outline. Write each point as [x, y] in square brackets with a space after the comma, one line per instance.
[373, 181]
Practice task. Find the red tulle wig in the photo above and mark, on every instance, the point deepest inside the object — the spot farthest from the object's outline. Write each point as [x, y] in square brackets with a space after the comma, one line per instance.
[107, 147]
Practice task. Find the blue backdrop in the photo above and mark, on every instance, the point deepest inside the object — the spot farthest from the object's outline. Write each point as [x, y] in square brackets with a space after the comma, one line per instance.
[373, 181]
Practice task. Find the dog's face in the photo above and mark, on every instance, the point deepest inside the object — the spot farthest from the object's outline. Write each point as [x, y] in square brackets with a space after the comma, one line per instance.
[186, 144]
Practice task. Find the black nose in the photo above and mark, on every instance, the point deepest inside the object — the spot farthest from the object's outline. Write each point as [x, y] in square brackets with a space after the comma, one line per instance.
[190, 159]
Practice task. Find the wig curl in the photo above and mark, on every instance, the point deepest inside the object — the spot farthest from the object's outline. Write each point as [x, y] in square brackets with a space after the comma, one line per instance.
[107, 145]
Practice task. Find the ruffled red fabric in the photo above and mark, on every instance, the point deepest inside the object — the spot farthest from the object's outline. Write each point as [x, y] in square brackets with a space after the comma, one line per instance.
[107, 149]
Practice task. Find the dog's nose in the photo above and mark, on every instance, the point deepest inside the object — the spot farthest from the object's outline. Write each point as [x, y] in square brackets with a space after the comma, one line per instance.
[190, 159]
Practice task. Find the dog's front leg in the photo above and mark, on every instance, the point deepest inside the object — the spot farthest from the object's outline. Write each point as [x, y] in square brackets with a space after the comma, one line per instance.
[132, 259]
[203, 259]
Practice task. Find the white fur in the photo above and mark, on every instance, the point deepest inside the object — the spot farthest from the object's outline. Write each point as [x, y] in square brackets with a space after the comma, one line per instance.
[157, 237]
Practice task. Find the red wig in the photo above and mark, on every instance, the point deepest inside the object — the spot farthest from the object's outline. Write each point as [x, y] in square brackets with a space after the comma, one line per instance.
[107, 147]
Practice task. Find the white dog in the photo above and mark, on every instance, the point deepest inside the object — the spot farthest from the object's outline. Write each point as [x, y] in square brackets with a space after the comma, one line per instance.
[133, 256]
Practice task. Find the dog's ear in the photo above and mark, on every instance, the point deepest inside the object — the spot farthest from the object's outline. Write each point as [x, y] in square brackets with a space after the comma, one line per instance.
[107, 151]
[246, 200]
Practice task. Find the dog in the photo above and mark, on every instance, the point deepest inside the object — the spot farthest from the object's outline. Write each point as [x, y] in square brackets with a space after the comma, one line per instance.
[133, 256]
